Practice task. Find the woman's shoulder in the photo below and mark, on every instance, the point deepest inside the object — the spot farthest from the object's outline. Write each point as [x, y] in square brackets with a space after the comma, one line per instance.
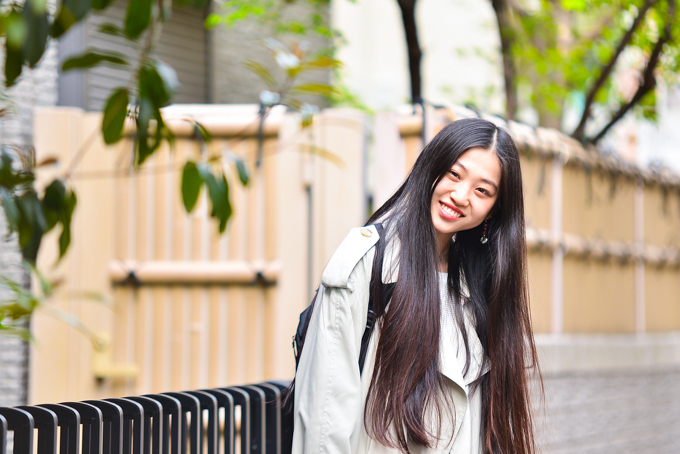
[356, 245]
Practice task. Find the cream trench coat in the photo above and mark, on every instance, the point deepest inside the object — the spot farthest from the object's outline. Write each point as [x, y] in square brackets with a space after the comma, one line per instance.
[329, 391]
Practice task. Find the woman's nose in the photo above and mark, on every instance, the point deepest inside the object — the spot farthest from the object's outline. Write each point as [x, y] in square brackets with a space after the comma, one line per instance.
[460, 195]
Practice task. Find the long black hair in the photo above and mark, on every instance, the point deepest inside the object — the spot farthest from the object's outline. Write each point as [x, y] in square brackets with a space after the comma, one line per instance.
[406, 382]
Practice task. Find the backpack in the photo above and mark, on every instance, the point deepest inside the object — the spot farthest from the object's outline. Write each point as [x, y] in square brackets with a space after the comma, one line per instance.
[299, 340]
[300, 333]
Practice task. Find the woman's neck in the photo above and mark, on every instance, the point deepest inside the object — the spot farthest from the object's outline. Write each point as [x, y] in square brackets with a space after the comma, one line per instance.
[443, 262]
[443, 245]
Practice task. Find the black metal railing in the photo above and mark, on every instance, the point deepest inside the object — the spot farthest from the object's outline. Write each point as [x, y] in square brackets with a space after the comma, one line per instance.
[249, 418]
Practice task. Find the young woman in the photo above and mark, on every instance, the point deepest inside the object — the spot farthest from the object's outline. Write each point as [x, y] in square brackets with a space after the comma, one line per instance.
[447, 366]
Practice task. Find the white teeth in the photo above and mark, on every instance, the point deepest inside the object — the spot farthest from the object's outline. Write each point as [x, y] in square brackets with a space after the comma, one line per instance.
[449, 211]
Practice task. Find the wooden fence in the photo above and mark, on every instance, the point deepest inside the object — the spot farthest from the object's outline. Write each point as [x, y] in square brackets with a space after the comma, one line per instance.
[603, 234]
[190, 309]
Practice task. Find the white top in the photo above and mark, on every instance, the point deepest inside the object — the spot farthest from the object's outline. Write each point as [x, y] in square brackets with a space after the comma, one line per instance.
[451, 332]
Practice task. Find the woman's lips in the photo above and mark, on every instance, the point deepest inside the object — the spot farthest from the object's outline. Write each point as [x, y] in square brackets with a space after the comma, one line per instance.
[449, 212]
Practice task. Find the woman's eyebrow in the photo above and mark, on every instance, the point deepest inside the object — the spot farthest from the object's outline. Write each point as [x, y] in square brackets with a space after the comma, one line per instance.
[490, 183]
[484, 180]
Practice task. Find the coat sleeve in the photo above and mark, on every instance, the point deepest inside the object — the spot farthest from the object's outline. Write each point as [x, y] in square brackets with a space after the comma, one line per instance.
[328, 398]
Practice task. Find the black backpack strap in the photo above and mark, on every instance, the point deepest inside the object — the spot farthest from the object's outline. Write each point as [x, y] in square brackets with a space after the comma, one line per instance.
[387, 290]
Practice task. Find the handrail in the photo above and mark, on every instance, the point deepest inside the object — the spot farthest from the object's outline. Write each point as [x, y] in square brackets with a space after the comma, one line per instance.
[201, 420]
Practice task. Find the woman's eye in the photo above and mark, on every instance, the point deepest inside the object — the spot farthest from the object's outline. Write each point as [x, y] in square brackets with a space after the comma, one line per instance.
[484, 191]
[454, 173]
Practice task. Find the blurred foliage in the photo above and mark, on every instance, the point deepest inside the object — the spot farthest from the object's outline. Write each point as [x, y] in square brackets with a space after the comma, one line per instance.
[27, 28]
[293, 22]
[581, 51]
[293, 63]
[16, 310]
[275, 13]
[30, 214]
[33, 210]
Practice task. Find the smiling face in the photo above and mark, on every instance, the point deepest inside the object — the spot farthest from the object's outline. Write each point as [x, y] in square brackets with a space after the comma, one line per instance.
[464, 197]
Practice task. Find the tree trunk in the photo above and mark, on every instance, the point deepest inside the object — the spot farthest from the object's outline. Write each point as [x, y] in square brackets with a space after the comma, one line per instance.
[506, 35]
[408, 15]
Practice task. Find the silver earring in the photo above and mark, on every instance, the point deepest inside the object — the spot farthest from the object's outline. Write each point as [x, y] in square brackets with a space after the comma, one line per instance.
[484, 239]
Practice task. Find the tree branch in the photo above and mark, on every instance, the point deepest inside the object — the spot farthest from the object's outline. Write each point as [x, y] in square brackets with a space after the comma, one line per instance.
[408, 15]
[509, 73]
[649, 79]
[608, 68]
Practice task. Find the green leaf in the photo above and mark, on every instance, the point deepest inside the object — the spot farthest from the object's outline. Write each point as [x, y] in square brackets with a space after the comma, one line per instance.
[169, 78]
[90, 59]
[13, 65]
[57, 206]
[62, 22]
[35, 18]
[218, 190]
[212, 20]
[262, 72]
[101, 4]
[53, 203]
[65, 238]
[16, 30]
[31, 225]
[144, 115]
[574, 5]
[226, 209]
[115, 113]
[322, 62]
[314, 88]
[137, 17]
[10, 177]
[79, 8]
[145, 144]
[242, 171]
[10, 207]
[157, 83]
[191, 185]
[202, 132]
[70, 12]
[108, 28]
